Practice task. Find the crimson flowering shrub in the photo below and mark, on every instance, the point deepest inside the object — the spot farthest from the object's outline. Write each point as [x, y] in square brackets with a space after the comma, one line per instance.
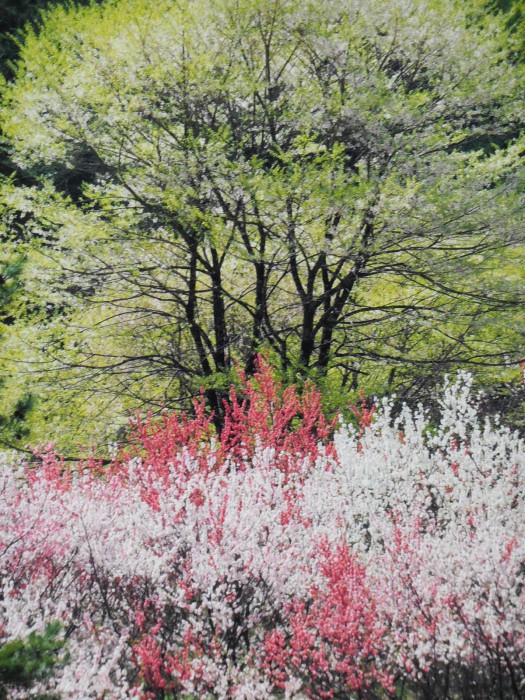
[282, 558]
[332, 643]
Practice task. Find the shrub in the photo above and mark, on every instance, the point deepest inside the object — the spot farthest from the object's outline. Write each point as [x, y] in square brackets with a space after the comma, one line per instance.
[277, 559]
[25, 662]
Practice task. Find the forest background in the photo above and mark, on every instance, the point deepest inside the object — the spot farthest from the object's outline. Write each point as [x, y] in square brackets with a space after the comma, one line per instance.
[158, 232]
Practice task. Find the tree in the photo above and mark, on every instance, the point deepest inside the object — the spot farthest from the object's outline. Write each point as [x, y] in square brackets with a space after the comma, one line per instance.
[336, 182]
[14, 16]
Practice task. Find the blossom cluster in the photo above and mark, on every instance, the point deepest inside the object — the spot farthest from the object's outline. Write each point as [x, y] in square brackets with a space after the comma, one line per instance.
[287, 557]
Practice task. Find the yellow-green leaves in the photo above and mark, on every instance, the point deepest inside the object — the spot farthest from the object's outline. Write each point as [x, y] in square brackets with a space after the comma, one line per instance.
[213, 177]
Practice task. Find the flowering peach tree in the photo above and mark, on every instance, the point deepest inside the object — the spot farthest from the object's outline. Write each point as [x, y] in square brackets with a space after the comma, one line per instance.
[287, 557]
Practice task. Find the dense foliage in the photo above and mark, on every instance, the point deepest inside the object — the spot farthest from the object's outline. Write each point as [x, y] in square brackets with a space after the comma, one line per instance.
[339, 182]
[24, 662]
[279, 558]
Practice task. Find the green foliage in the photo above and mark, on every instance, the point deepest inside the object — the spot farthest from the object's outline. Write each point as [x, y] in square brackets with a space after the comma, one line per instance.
[15, 13]
[26, 661]
[513, 12]
[14, 427]
[10, 285]
[338, 183]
